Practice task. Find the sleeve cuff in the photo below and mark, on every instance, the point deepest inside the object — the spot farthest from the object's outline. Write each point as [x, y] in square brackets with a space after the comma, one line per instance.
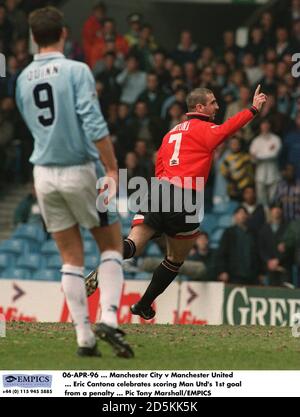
[254, 110]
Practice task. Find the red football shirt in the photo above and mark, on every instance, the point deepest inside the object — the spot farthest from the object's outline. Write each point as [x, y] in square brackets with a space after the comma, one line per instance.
[187, 150]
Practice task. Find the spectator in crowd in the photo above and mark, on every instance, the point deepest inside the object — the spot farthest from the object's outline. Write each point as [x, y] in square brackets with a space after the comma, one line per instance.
[21, 52]
[7, 134]
[264, 150]
[108, 35]
[132, 81]
[179, 96]
[135, 23]
[288, 194]
[290, 249]
[107, 75]
[6, 29]
[252, 70]
[134, 169]
[121, 133]
[282, 45]
[92, 29]
[237, 256]
[256, 211]
[203, 253]
[17, 18]
[221, 74]
[237, 168]
[144, 157]
[190, 75]
[294, 10]
[243, 101]
[277, 120]
[145, 127]
[268, 27]
[158, 67]
[186, 50]
[291, 147]
[229, 43]
[153, 96]
[12, 73]
[144, 48]
[72, 49]
[176, 115]
[269, 80]
[206, 58]
[270, 236]
[220, 195]
[256, 45]
[295, 41]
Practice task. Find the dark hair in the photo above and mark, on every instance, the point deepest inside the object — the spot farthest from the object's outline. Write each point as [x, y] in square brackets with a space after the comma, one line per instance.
[197, 96]
[203, 233]
[276, 204]
[100, 5]
[240, 208]
[46, 25]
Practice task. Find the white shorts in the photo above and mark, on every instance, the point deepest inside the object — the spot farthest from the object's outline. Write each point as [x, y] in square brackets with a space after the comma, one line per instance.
[67, 196]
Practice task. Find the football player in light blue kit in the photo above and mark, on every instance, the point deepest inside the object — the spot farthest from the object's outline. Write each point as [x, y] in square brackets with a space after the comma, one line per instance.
[57, 98]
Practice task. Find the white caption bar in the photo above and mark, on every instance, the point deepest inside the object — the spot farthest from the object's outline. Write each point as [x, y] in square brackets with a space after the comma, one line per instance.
[149, 384]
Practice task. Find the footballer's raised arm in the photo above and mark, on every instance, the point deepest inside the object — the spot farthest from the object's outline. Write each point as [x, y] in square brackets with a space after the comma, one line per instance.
[216, 134]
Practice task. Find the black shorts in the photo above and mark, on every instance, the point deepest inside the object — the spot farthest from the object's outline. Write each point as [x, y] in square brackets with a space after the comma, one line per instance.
[170, 215]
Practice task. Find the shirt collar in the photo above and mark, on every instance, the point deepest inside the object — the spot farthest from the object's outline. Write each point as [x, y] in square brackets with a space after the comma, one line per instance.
[196, 115]
[48, 55]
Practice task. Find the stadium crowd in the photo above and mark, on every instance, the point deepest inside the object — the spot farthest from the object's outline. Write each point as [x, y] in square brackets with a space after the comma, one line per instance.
[142, 89]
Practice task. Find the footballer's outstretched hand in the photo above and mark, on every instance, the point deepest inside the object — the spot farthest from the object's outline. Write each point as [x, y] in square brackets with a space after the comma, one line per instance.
[259, 98]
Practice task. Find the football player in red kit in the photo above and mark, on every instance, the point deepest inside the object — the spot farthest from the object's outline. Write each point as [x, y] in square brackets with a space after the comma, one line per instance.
[186, 152]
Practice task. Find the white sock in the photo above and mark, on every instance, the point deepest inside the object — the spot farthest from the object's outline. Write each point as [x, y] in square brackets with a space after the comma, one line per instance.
[111, 281]
[74, 288]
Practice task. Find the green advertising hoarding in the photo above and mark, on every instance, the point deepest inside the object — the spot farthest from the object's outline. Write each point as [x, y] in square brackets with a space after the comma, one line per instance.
[260, 306]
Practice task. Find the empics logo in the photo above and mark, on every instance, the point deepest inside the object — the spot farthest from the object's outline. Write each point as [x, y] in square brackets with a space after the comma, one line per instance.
[27, 381]
[2, 66]
[296, 67]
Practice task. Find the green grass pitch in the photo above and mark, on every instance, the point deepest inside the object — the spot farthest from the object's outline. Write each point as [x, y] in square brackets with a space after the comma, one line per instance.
[33, 346]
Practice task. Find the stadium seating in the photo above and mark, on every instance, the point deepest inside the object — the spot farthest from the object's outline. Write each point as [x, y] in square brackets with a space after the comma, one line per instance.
[86, 234]
[153, 250]
[47, 275]
[49, 248]
[16, 273]
[143, 276]
[225, 221]
[31, 232]
[90, 247]
[14, 246]
[225, 208]
[54, 262]
[30, 262]
[7, 260]
[91, 262]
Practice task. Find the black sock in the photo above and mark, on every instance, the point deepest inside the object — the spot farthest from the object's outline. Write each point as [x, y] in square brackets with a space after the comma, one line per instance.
[163, 275]
[129, 248]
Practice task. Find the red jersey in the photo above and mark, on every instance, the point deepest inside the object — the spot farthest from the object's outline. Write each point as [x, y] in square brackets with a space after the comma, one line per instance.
[187, 150]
